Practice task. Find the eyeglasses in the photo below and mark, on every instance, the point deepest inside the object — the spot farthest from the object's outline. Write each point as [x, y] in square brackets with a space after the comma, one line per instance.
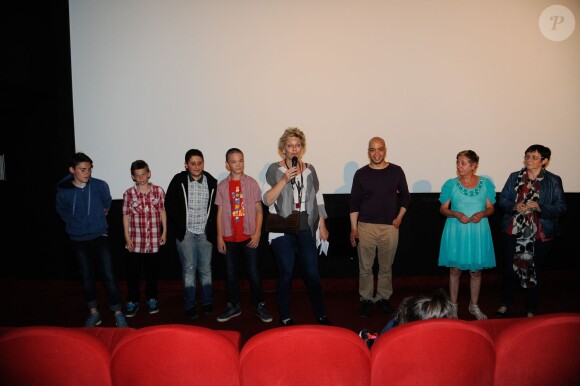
[532, 157]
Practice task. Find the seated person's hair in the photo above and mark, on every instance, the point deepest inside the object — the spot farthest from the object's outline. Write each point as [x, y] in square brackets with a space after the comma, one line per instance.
[413, 308]
[423, 307]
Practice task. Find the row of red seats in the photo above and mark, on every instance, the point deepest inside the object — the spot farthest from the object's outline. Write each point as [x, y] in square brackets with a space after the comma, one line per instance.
[543, 350]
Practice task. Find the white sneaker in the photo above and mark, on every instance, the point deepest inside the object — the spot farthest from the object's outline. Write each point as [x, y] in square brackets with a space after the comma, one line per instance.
[456, 309]
[475, 311]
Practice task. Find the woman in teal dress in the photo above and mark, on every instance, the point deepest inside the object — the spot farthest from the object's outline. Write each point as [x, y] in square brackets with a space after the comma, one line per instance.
[466, 244]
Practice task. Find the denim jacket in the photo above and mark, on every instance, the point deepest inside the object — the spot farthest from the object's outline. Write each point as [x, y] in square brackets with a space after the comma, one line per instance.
[552, 202]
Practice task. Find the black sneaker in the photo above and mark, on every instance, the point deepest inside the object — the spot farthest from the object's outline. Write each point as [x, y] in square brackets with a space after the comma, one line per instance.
[385, 306]
[192, 314]
[502, 312]
[365, 308]
[262, 313]
[231, 311]
[323, 320]
[287, 322]
[207, 309]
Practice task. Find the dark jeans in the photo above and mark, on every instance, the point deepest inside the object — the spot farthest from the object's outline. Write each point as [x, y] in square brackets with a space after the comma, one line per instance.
[286, 249]
[150, 263]
[91, 253]
[510, 279]
[234, 253]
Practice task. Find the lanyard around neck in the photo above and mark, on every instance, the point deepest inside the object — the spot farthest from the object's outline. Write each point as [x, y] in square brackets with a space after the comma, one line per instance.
[299, 185]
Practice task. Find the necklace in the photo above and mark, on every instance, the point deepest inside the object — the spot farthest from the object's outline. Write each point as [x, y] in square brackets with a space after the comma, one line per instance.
[469, 190]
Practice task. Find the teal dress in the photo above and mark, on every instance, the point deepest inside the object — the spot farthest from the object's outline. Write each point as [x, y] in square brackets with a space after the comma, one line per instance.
[467, 246]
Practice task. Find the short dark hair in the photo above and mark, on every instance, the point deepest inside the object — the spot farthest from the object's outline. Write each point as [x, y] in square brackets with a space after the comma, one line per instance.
[77, 158]
[192, 153]
[544, 151]
[233, 150]
[139, 164]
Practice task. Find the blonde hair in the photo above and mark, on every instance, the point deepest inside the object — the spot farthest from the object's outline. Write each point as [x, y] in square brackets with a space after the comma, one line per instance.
[289, 133]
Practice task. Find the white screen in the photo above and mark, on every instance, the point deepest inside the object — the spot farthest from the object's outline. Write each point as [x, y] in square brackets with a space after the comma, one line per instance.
[154, 78]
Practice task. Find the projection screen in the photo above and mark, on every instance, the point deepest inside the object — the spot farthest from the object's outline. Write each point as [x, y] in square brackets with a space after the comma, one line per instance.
[152, 79]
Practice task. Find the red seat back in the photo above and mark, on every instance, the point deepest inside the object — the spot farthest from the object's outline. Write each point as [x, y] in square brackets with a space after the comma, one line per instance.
[433, 352]
[175, 355]
[60, 356]
[110, 336]
[305, 355]
[543, 350]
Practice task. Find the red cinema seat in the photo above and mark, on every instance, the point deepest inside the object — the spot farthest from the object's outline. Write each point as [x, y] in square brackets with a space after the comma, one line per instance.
[305, 355]
[433, 352]
[543, 350]
[53, 356]
[110, 336]
[175, 355]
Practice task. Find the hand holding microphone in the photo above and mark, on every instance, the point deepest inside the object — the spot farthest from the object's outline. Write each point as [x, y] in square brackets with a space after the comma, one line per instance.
[294, 163]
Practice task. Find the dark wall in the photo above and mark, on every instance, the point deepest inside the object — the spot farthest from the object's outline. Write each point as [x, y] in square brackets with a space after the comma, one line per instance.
[418, 249]
[37, 133]
[417, 253]
[38, 137]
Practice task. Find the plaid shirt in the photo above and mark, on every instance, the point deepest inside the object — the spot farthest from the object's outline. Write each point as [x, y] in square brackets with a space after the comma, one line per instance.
[144, 217]
[197, 200]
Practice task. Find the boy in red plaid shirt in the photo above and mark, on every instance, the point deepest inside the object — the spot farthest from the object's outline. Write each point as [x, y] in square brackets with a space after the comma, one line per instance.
[145, 228]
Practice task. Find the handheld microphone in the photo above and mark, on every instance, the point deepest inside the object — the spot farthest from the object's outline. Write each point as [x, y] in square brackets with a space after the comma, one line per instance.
[294, 163]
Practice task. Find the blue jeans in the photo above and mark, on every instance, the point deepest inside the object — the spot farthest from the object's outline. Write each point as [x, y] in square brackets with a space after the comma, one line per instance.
[97, 252]
[234, 252]
[195, 256]
[286, 249]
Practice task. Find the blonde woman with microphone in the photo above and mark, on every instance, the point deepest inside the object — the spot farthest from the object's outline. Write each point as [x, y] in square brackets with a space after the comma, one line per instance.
[292, 186]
